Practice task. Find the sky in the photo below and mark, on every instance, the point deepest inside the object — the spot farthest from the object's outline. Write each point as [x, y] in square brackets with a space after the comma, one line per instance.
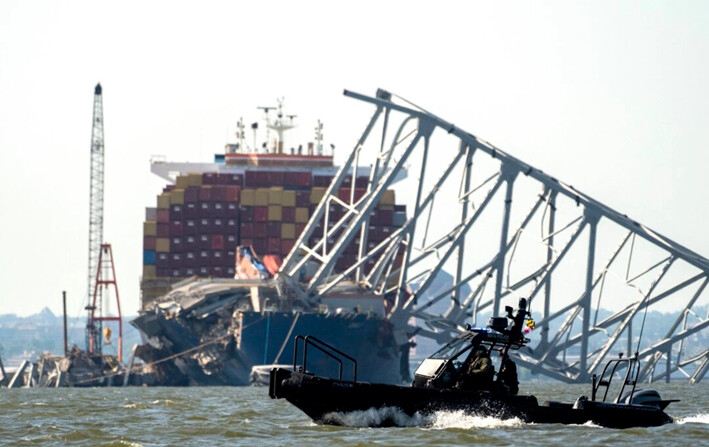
[609, 96]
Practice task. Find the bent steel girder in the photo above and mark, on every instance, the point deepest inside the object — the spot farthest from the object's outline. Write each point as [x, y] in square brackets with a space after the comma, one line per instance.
[483, 229]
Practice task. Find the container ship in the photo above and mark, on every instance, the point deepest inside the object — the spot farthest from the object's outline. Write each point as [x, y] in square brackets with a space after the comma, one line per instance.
[211, 309]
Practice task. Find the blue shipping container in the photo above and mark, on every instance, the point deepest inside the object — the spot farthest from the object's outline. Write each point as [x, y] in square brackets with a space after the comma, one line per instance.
[148, 257]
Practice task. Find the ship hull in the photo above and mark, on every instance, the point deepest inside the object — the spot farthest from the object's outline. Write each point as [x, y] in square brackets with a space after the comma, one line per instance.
[215, 351]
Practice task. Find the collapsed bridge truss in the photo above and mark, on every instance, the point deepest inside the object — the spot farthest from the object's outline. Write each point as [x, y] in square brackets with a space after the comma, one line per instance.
[502, 230]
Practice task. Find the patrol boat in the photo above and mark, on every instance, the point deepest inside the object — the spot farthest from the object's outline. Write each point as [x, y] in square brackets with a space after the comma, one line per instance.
[437, 386]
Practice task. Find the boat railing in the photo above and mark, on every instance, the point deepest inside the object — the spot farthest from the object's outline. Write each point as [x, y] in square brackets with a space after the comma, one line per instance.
[324, 348]
[631, 377]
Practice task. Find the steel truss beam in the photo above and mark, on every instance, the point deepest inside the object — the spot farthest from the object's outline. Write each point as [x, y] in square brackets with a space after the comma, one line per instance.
[466, 222]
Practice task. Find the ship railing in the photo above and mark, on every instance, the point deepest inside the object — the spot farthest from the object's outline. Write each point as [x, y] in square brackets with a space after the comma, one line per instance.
[631, 377]
[324, 348]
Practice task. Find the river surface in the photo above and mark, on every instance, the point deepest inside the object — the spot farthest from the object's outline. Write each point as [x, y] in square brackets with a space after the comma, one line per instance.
[231, 416]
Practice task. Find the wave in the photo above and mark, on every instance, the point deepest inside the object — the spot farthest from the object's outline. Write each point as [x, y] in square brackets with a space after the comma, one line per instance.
[701, 418]
[394, 417]
[461, 419]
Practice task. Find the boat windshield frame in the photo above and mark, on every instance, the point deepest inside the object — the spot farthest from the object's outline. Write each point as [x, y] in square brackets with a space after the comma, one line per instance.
[455, 348]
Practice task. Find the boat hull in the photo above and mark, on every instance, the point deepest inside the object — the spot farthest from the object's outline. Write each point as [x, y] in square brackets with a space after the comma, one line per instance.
[324, 400]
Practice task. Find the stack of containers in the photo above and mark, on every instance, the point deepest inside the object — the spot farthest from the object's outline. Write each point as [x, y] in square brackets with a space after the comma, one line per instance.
[198, 222]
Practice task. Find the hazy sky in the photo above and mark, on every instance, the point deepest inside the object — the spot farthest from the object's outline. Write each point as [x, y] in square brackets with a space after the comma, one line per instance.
[608, 96]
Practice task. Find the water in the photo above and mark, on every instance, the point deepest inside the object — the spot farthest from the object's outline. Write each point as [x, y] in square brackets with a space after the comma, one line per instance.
[247, 416]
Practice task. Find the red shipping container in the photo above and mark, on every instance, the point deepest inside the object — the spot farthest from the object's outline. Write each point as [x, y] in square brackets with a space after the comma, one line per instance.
[217, 242]
[299, 227]
[250, 179]
[235, 179]
[246, 213]
[176, 228]
[247, 230]
[286, 246]
[209, 178]
[191, 194]
[247, 242]
[205, 193]
[232, 193]
[302, 198]
[218, 193]
[273, 229]
[322, 180]
[260, 213]
[163, 230]
[149, 242]
[288, 214]
[163, 215]
[275, 178]
[305, 179]
[290, 178]
[260, 230]
[274, 245]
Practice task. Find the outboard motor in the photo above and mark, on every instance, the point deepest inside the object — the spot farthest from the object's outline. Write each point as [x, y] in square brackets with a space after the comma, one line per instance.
[650, 398]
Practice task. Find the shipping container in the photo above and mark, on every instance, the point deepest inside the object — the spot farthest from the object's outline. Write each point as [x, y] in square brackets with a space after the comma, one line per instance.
[191, 194]
[151, 214]
[288, 198]
[232, 193]
[286, 246]
[176, 244]
[288, 214]
[261, 197]
[248, 197]
[163, 230]
[149, 242]
[177, 196]
[162, 244]
[260, 213]
[302, 215]
[275, 213]
[148, 271]
[148, 257]
[217, 242]
[302, 198]
[287, 231]
[273, 229]
[150, 228]
[176, 228]
[164, 201]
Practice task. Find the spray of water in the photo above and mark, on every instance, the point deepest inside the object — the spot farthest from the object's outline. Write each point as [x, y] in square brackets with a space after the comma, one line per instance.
[701, 418]
[392, 416]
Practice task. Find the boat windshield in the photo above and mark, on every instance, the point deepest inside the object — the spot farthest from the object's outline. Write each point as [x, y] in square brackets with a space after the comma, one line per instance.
[453, 348]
